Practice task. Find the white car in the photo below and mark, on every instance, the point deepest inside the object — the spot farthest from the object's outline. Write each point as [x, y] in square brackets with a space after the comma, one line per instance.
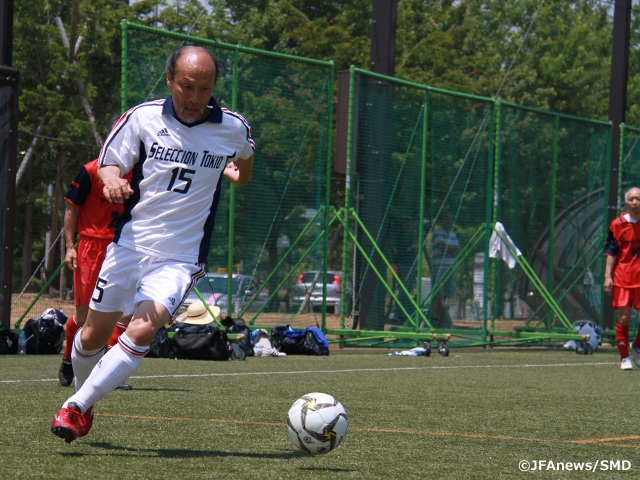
[335, 283]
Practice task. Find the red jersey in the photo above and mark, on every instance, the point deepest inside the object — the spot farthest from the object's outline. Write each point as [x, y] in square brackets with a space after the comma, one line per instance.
[624, 242]
[97, 216]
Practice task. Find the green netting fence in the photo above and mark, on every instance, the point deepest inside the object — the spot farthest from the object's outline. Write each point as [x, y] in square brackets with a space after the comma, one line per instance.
[629, 176]
[430, 173]
[270, 231]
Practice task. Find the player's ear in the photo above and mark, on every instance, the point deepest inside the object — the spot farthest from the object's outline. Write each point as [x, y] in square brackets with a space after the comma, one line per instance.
[169, 80]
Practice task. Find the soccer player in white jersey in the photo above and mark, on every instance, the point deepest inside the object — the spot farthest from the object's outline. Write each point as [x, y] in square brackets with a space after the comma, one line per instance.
[179, 150]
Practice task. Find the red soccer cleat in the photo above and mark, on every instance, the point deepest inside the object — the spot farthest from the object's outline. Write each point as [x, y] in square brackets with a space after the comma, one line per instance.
[88, 422]
[70, 424]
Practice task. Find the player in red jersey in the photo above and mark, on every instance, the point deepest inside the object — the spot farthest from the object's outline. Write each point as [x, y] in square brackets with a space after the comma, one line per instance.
[92, 216]
[622, 274]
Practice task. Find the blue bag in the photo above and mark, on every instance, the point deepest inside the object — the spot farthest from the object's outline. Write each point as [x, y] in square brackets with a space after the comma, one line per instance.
[308, 341]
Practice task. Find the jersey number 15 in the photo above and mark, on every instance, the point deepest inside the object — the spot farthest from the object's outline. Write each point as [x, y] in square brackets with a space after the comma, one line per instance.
[180, 174]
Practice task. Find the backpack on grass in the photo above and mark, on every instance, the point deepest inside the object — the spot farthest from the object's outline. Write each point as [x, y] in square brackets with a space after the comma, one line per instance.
[45, 334]
[237, 325]
[308, 341]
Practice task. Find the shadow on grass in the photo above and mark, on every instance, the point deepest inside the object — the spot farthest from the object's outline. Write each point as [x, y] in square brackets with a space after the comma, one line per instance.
[140, 389]
[325, 469]
[177, 453]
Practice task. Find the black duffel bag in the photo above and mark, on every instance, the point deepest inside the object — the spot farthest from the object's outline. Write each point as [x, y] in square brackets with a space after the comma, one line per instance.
[200, 343]
[161, 345]
[238, 326]
[8, 341]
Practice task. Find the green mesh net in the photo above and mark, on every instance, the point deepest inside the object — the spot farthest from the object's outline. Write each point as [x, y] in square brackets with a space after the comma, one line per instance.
[552, 201]
[275, 224]
[432, 171]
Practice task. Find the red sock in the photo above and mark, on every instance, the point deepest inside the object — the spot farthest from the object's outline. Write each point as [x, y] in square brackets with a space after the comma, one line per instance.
[119, 330]
[72, 328]
[622, 339]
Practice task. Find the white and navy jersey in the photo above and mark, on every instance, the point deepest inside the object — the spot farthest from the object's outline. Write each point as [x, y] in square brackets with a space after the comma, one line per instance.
[177, 175]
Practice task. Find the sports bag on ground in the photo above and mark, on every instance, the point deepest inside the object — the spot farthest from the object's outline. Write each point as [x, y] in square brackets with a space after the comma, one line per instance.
[45, 334]
[8, 341]
[237, 325]
[200, 343]
[309, 341]
[161, 345]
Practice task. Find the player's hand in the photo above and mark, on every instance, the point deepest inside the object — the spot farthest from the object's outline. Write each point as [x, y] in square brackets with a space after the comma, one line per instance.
[71, 258]
[608, 285]
[231, 172]
[116, 190]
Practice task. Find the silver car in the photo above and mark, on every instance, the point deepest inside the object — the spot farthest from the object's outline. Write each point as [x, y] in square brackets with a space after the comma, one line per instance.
[335, 283]
[214, 289]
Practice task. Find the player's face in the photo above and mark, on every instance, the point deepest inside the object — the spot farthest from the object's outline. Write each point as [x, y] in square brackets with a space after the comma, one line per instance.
[192, 85]
[633, 201]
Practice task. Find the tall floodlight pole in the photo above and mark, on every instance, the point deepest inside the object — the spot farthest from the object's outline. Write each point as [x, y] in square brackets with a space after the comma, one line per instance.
[8, 147]
[384, 14]
[617, 108]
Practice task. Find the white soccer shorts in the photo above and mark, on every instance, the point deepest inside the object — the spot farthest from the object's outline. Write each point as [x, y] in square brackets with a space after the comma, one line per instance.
[128, 277]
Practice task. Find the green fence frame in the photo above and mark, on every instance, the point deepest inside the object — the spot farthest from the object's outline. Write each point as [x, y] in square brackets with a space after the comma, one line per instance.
[418, 328]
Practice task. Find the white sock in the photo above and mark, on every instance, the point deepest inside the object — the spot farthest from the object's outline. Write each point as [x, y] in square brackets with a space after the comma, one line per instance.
[83, 360]
[116, 366]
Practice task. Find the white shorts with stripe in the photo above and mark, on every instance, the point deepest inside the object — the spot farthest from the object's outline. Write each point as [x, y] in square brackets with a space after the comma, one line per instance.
[128, 277]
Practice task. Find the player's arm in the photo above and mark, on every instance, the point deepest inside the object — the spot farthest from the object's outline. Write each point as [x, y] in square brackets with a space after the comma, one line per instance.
[116, 189]
[609, 265]
[239, 172]
[70, 222]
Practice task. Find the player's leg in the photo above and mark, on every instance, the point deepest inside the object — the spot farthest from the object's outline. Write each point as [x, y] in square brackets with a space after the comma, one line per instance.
[635, 345]
[89, 343]
[91, 253]
[114, 293]
[622, 302]
[72, 421]
[65, 374]
[119, 363]
[119, 329]
[160, 284]
[158, 292]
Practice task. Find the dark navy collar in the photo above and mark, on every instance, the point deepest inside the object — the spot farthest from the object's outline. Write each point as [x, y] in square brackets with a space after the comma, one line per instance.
[215, 112]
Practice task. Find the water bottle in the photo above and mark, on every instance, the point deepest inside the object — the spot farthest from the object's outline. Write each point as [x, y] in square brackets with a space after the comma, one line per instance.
[22, 344]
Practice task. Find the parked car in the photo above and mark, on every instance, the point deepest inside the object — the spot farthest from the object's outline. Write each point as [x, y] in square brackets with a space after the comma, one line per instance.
[335, 283]
[214, 286]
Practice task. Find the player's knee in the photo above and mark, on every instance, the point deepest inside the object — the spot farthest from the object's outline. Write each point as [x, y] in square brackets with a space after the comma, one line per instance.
[92, 338]
[624, 319]
[141, 332]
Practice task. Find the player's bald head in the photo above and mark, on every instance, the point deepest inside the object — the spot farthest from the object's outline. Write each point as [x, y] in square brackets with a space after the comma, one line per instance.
[193, 56]
[633, 192]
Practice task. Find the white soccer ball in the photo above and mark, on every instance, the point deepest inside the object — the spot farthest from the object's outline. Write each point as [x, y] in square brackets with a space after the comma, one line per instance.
[317, 423]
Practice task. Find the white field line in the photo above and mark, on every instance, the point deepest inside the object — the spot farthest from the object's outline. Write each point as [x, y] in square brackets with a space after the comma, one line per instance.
[349, 370]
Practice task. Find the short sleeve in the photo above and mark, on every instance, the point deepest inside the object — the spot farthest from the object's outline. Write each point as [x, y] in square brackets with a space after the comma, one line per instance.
[122, 147]
[80, 187]
[247, 145]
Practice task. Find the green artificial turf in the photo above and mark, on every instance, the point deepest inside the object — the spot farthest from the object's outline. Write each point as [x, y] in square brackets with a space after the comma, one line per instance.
[475, 414]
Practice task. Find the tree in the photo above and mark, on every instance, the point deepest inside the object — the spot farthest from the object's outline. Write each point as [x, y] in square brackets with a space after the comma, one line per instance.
[50, 95]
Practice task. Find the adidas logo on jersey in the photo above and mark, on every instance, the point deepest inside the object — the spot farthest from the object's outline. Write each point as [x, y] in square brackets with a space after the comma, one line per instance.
[172, 300]
[163, 133]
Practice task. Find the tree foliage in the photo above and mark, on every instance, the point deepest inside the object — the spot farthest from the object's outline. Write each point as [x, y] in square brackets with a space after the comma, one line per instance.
[553, 54]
